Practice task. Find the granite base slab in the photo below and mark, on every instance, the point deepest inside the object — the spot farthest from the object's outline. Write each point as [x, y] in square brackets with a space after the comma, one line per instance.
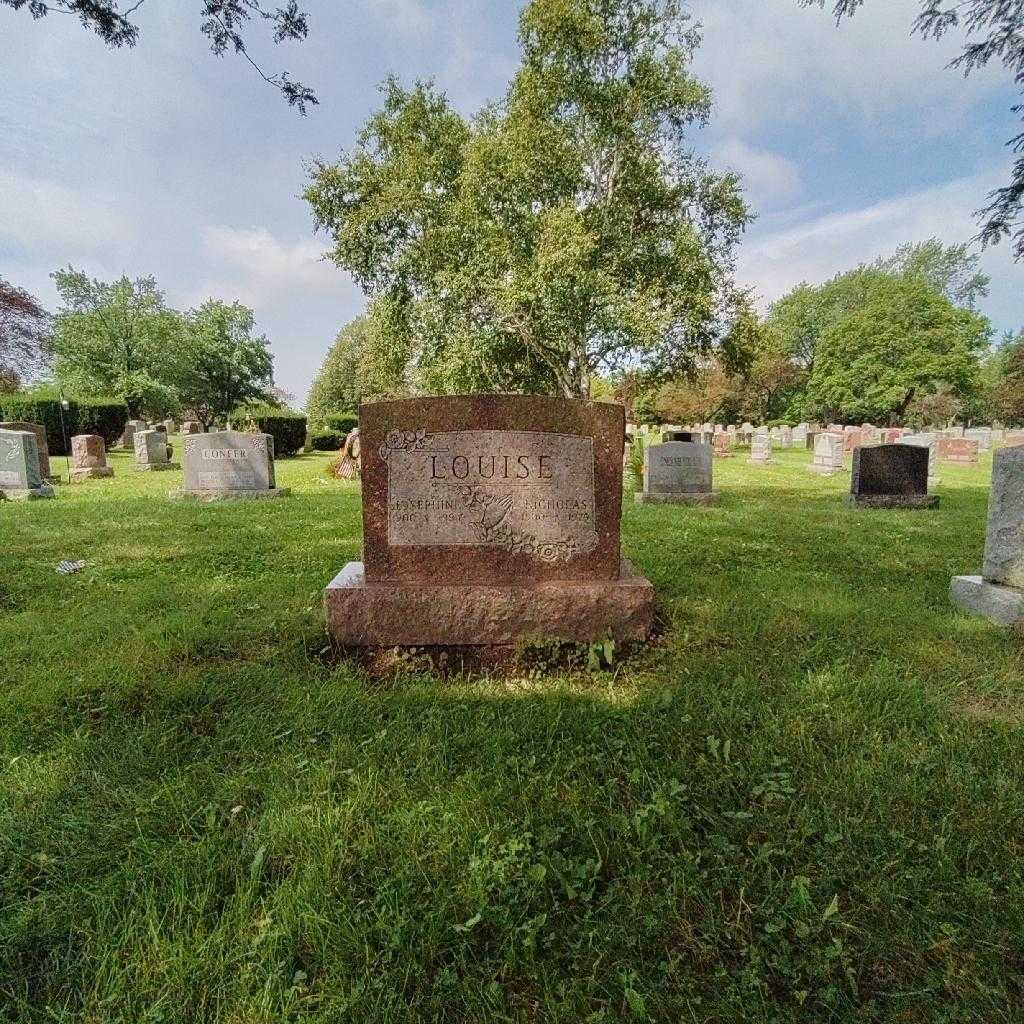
[892, 500]
[402, 613]
[185, 495]
[91, 473]
[27, 494]
[677, 498]
[825, 470]
[975, 594]
[156, 467]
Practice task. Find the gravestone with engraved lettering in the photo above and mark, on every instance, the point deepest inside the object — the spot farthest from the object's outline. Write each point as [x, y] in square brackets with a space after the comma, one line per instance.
[677, 473]
[89, 458]
[890, 476]
[20, 477]
[488, 520]
[152, 451]
[998, 593]
[44, 451]
[227, 464]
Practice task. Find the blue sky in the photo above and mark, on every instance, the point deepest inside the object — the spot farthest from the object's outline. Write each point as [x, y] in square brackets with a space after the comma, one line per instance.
[165, 160]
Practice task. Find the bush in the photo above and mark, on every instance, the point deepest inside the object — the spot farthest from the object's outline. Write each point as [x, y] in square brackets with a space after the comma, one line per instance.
[104, 416]
[342, 423]
[287, 428]
[325, 441]
[41, 406]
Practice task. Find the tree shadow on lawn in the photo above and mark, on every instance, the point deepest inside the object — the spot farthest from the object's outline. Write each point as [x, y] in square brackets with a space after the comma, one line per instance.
[498, 849]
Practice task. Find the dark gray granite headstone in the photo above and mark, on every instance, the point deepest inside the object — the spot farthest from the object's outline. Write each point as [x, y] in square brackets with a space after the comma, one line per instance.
[679, 435]
[227, 460]
[150, 448]
[890, 475]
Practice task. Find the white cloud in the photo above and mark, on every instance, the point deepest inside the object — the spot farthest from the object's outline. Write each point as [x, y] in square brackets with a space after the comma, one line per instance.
[409, 17]
[258, 268]
[768, 178]
[54, 221]
[823, 246]
[778, 63]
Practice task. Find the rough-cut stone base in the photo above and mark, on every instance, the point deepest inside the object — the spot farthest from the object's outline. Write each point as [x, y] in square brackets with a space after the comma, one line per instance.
[156, 467]
[417, 614]
[91, 473]
[974, 594]
[825, 470]
[761, 462]
[677, 498]
[892, 500]
[184, 495]
[30, 494]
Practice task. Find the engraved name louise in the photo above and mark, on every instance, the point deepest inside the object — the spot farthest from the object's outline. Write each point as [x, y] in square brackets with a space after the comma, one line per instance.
[528, 492]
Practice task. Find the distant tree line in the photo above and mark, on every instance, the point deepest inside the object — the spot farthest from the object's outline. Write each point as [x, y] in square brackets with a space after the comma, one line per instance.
[895, 341]
[120, 339]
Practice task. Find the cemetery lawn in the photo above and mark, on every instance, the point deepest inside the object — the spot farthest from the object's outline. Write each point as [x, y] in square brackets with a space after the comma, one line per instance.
[804, 802]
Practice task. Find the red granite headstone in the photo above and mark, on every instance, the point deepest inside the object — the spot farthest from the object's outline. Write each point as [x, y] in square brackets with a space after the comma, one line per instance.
[957, 449]
[487, 519]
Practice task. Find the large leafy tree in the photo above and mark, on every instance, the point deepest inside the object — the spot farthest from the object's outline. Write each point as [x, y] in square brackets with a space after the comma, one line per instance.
[995, 32]
[565, 232]
[224, 363]
[117, 338]
[1008, 394]
[800, 318]
[24, 335]
[903, 341]
[223, 23]
[337, 387]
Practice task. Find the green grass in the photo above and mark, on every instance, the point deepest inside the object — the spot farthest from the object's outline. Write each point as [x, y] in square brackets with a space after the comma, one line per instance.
[804, 802]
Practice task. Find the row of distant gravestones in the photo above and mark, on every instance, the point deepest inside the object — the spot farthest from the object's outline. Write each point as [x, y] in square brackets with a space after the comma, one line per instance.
[221, 464]
[679, 471]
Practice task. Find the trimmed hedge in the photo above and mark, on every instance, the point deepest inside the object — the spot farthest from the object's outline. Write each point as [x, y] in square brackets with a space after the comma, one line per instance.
[104, 416]
[39, 408]
[341, 422]
[325, 441]
[287, 428]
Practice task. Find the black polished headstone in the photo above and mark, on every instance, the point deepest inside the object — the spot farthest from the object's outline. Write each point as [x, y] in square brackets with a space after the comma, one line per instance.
[890, 469]
[688, 436]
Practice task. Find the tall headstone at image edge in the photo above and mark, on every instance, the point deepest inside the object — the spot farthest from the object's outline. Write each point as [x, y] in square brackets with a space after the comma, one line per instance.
[677, 473]
[890, 476]
[998, 593]
[227, 464]
[20, 478]
[89, 458]
[487, 520]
